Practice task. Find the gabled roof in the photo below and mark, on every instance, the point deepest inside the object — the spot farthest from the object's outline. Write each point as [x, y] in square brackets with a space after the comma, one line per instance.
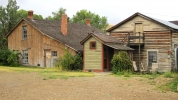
[107, 40]
[104, 38]
[162, 22]
[75, 31]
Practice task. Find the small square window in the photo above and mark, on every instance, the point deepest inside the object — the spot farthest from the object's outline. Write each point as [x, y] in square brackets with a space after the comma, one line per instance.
[54, 53]
[93, 45]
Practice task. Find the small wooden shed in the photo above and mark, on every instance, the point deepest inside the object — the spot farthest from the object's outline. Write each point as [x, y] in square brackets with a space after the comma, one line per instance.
[99, 49]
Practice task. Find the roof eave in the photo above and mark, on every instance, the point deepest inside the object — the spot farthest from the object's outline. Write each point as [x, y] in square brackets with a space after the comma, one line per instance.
[14, 27]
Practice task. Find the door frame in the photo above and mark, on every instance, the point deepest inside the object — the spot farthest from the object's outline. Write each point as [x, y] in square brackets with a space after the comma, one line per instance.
[45, 56]
[176, 58]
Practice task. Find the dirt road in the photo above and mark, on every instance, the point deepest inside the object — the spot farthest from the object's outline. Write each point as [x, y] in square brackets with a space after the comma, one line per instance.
[32, 86]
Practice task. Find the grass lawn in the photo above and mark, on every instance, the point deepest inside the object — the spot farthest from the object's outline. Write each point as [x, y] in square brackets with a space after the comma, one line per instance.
[48, 73]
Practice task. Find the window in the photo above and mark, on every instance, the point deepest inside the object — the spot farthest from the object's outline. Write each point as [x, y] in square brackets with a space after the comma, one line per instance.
[92, 45]
[152, 57]
[24, 32]
[25, 56]
[54, 53]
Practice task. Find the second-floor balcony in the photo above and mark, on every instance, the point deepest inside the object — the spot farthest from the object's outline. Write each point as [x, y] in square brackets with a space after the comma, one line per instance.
[134, 40]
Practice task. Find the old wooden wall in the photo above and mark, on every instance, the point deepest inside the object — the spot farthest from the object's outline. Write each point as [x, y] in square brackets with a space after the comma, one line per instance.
[156, 38]
[174, 46]
[35, 43]
[93, 58]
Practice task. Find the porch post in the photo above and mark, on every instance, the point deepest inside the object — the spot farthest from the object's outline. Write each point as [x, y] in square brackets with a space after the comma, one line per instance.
[139, 53]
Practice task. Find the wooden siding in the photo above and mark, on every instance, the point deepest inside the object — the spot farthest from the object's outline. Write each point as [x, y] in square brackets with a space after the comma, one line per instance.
[35, 43]
[174, 46]
[93, 58]
[156, 37]
[147, 25]
[162, 46]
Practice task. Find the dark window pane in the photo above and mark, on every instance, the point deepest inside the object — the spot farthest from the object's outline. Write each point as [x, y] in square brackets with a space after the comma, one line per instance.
[152, 57]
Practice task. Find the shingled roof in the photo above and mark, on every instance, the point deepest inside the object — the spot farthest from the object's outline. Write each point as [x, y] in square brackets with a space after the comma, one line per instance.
[107, 40]
[75, 31]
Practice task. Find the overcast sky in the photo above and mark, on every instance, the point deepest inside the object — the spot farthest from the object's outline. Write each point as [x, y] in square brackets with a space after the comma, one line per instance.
[114, 10]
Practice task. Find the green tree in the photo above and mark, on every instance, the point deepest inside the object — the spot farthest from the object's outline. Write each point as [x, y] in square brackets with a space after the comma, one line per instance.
[2, 22]
[11, 14]
[23, 14]
[8, 17]
[56, 15]
[96, 20]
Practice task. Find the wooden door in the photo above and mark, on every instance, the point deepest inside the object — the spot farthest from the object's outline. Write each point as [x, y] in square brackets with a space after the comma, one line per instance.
[47, 54]
[138, 29]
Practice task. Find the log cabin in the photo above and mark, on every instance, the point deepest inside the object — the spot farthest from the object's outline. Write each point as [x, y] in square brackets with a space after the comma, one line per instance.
[42, 42]
[155, 41]
[98, 51]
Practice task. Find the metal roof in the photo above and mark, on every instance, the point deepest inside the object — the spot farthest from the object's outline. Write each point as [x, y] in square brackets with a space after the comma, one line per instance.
[163, 22]
[167, 23]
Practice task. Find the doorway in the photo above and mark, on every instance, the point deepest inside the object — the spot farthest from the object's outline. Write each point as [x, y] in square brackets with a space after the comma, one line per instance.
[108, 54]
[47, 54]
[176, 58]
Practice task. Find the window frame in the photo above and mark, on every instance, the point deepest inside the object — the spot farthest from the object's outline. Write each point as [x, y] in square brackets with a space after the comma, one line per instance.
[25, 57]
[148, 60]
[54, 53]
[91, 47]
[24, 35]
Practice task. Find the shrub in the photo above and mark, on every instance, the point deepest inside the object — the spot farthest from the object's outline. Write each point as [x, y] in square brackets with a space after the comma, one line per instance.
[13, 58]
[121, 62]
[9, 57]
[4, 53]
[168, 75]
[70, 62]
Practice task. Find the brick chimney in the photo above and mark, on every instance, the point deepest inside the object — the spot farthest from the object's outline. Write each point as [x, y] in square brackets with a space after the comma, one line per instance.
[88, 21]
[64, 24]
[30, 14]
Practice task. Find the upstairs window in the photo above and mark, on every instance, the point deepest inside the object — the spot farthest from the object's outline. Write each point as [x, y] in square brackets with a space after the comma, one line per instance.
[24, 32]
[93, 45]
[54, 53]
[25, 56]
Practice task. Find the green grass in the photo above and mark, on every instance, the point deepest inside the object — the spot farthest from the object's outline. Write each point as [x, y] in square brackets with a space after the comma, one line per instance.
[48, 73]
[171, 86]
[168, 75]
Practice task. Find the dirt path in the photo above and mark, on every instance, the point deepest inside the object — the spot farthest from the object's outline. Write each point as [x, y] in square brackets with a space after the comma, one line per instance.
[31, 86]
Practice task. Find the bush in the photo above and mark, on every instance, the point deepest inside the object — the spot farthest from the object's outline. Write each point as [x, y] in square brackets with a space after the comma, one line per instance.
[70, 62]
[4, 53]
[121, 62]
[168, 75]
[13, 58]
[9, 57]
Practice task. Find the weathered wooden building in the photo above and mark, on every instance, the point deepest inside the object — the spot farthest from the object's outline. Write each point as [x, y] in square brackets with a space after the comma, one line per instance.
[43, 41]
[154, 40]
[98, 51]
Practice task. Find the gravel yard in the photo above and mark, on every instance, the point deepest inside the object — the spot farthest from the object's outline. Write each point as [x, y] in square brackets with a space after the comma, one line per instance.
[33, 86]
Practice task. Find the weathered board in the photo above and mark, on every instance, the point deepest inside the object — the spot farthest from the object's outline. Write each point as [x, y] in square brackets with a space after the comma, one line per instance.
[156, 38]
[93, 58]
[35, 43]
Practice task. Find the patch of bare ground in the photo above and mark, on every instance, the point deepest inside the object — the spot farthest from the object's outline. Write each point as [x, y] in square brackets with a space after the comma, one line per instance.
[31, 85]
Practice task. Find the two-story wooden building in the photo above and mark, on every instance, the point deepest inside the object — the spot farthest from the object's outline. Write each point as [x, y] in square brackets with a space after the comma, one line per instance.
[154, 40]
[43, 41]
